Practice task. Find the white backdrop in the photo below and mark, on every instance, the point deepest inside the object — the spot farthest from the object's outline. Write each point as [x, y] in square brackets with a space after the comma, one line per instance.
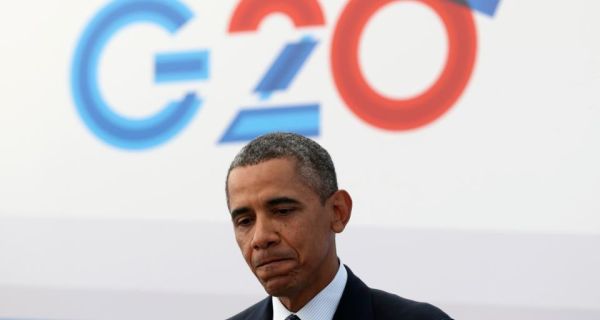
[489, 211]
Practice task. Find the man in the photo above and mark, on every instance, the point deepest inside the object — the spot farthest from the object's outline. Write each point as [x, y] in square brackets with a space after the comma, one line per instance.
[286, 209]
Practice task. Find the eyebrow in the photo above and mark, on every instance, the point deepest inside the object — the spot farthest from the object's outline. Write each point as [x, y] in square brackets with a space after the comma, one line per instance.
[270, 203]
[281, 200]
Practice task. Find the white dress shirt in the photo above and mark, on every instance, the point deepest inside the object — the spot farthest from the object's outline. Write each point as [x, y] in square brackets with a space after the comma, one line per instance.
[322, 306]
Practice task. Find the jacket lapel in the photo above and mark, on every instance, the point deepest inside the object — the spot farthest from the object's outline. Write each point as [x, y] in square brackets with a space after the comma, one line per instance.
[263, 310]
[356, 300]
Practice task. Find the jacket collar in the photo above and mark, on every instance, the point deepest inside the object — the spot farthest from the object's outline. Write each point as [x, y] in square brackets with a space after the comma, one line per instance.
[356, 300]
[264, 310]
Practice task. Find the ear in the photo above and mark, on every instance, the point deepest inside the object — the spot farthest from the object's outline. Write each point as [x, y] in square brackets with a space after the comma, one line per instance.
[341, 204]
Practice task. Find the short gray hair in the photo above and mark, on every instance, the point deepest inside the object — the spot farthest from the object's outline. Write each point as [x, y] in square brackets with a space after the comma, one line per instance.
[314, 163]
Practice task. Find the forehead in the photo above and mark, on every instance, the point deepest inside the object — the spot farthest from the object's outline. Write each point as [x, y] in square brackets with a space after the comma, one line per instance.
[269, 178]
[273, 171]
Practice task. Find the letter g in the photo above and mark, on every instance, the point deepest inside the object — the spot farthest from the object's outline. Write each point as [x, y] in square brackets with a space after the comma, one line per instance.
[115, 129]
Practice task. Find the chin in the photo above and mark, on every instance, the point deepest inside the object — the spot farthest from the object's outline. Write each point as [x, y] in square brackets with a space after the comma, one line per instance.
[278, 286]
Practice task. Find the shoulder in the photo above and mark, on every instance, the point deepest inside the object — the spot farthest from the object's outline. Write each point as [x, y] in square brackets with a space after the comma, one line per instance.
[260, 310]
[376, 304]
[390, 306]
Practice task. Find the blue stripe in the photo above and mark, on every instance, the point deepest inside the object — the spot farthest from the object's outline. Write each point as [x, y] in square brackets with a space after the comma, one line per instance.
[251, 123]
[181, 66]
[286, 66]
[487, 7]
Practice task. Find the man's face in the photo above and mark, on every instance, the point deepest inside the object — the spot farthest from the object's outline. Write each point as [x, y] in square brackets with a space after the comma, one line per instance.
[284, 231]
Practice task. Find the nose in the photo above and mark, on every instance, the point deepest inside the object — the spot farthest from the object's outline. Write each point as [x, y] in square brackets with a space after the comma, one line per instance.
[265, 234]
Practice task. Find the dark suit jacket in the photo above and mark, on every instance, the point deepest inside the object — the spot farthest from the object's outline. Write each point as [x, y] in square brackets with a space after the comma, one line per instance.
[362, 303]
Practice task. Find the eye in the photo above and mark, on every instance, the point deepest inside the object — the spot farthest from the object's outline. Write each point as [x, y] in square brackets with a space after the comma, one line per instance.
[243, 221]
[284, 210]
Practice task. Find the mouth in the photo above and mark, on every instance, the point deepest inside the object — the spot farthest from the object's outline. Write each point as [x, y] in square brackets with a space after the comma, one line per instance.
[271, 262]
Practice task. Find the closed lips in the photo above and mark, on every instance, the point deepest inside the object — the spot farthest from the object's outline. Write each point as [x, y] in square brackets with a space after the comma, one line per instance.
[266, 262]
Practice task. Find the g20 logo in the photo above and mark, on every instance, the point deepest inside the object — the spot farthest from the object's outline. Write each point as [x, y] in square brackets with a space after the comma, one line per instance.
[359, 96]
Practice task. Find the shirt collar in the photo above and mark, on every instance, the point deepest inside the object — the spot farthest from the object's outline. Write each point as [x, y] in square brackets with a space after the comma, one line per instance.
[322, 306]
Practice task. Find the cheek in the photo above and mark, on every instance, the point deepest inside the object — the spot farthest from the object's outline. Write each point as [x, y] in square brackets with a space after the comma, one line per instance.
[309, 239]
[320, 232]
[243, 244]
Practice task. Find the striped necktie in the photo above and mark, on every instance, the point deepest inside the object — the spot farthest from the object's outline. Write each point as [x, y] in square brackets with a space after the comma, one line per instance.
[292, 317]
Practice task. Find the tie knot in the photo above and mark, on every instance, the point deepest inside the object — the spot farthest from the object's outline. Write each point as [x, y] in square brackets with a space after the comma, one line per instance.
[292, 317]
